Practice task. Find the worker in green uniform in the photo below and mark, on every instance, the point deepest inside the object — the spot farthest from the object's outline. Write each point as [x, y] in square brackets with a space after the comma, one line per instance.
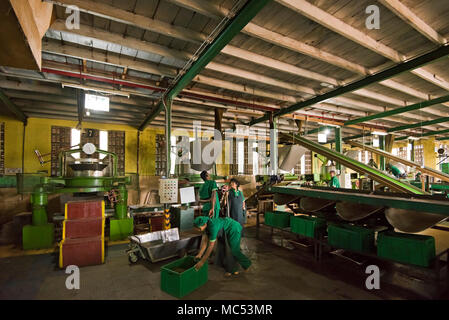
[209, 196]
[231, 230]
[236, 203]
[395, 171]
[334, 183]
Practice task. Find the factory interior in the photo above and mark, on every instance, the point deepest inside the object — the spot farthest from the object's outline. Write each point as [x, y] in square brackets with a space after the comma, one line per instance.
[224, 150]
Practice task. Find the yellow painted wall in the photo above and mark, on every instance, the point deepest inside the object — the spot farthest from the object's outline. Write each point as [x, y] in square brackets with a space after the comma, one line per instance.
[430, 158]
[38, 136]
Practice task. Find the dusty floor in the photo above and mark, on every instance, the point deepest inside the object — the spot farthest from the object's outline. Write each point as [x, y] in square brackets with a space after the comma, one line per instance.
[278, 273]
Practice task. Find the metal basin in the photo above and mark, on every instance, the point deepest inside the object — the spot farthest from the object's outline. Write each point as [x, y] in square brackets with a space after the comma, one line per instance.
[351, 211]
[412, 221]
[314, 204]
[282, 199]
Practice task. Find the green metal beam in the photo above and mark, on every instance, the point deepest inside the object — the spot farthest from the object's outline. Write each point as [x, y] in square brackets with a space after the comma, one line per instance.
[245, 15]
[442, 138]
[416, 106]
[419, 124]
[415, 202]
[13, 108]
[317, 130]
[355, 165]
[380, 76]
[338, 143]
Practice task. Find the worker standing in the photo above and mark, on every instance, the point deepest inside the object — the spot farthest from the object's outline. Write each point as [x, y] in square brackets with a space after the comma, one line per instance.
[231, 229]
[236, 203]
[334, 183]
[209, 196]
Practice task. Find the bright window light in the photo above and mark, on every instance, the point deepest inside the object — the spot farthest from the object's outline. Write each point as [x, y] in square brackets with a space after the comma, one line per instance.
[303, 164]
[241, 156]
[75, 139]
[322, 137]
[96, 102]
[173, 154]
[255, 159]
[103, 142]
[376, 143]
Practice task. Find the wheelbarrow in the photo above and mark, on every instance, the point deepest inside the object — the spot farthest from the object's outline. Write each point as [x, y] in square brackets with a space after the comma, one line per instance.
[157, 250]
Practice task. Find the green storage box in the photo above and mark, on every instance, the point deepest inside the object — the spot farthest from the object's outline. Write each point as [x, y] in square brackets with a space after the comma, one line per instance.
[277, 219]
[179, 278]
[350, 237]
[306, 226]
[406, 248]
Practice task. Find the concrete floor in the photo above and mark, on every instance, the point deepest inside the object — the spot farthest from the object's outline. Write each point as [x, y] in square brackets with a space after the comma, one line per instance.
[277, 274]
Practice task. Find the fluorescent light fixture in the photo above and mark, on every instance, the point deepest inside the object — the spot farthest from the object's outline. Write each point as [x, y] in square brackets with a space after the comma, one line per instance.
[414, 138]
[322, 137]
[379, 133]
[95, 102]
[96, 89]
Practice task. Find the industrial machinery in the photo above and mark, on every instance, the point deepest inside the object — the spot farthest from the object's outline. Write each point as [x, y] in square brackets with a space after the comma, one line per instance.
[86, 175]
[405, 207]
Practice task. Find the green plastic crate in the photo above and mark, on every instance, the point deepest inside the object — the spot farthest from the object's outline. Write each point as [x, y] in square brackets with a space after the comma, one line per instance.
[350, 237]
[306, 226]
[277, 219]
[179, 278]
[406, 248]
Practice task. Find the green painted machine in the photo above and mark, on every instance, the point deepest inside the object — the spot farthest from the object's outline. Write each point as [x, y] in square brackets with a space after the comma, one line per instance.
[85, 175]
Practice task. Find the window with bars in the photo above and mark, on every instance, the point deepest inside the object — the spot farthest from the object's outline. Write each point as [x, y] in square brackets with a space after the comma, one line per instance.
[308, 163]
[60, 140]
[116, 144]
[364, 156]
[2, 148]
[419, 154]
[161, 156]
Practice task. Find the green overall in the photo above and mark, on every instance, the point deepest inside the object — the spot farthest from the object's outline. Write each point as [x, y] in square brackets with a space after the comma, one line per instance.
[395, 171]
[334, 182]
[232, 231]
[206, 193]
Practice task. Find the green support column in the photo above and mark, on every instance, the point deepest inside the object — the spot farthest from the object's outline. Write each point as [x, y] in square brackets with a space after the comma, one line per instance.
[168, 106]
[338, 143]
[40, 234]
[382, 147]
[120, 227]
[412, 152]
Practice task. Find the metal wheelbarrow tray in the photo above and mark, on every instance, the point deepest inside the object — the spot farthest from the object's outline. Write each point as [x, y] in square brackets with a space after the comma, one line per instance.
[155, 251]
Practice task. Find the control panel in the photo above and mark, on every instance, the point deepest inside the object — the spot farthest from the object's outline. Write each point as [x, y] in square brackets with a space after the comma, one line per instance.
[168, 190]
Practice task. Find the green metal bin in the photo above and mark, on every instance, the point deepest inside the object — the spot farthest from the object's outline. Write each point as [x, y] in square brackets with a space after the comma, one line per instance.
[406, 248]
[306, 225]
[351, 237]
[179, 278]
[277, 219]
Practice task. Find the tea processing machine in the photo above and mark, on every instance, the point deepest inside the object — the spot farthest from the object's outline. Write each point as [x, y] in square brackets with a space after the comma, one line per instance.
[87, 175]
[399, 204]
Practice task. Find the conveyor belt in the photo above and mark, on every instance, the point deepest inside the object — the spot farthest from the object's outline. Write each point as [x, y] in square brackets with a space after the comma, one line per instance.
[422, 203]
[426, 170]
[355, 165]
